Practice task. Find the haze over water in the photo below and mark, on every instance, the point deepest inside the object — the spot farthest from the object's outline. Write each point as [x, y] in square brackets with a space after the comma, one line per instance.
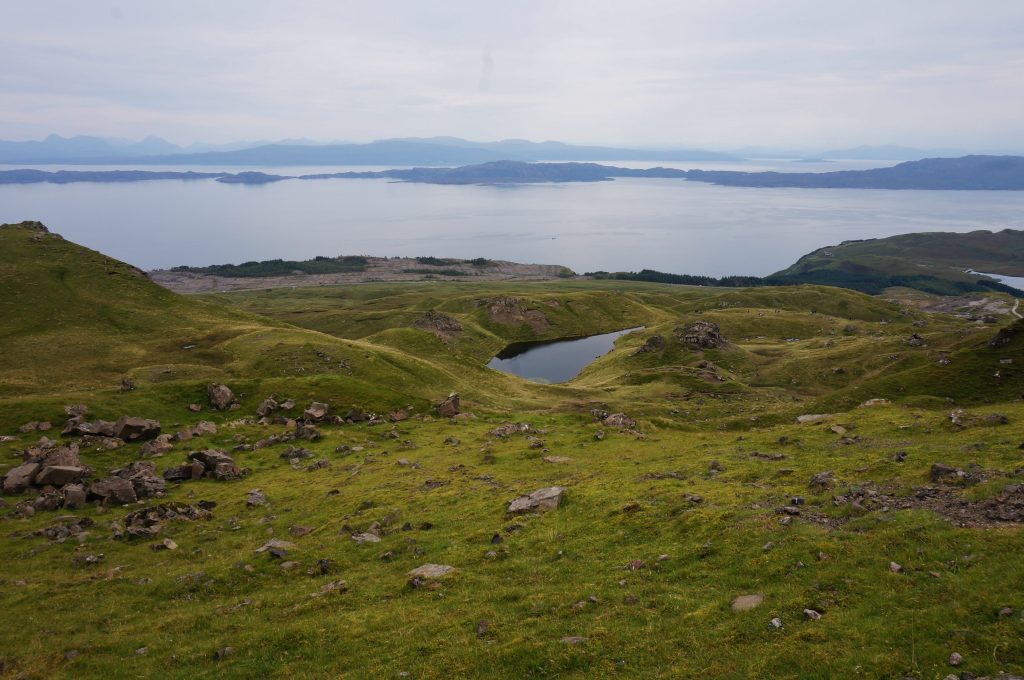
[626, 224]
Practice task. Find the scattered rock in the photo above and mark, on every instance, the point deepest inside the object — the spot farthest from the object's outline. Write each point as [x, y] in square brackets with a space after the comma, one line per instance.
[449, 408]
[220, 396]
[135, 429]
[276, 547]
[619, 420]
[548, 498]
[556, 459]
[430, 571]
[223, 653]
[574, 640]
[812, 614]
[822, 481]
[955, 659]
[895, 568]
[255, 498]
[114, 489]
[509, 429]
[316, 412]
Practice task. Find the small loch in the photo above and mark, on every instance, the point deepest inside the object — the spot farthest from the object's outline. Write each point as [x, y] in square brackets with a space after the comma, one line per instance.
[555, 361]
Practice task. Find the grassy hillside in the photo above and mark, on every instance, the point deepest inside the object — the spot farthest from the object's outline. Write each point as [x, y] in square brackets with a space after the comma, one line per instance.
[663, 524]
[931, 262]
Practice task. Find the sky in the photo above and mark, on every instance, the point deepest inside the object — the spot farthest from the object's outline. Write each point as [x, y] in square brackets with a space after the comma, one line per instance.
[675, 73]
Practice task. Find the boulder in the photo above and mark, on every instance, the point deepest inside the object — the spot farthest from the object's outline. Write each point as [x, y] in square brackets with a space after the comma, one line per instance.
[449, 408]
[220, 396]
[158, 447]
[135, 429]
[266, 407]
[316, 412]
[114, 489]
[59, 475]
[20, 478]
[548, 498]
[79, 426]
[430, 571]
[74, 496]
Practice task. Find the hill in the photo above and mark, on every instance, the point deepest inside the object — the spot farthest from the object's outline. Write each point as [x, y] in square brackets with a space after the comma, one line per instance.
[990, 173]
[809, 480]
[933, 262]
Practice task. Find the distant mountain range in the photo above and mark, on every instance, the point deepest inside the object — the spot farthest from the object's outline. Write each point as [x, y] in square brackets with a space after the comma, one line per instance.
[431, 151]
[992, 173]
[412, 151]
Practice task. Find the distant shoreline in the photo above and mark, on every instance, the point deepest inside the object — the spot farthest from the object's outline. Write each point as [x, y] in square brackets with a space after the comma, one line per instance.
[968, 173]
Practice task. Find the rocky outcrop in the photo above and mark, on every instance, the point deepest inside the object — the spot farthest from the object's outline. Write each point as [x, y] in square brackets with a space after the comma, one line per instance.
[512, 311]
[700, 335]
[655, 343]
[445, 327]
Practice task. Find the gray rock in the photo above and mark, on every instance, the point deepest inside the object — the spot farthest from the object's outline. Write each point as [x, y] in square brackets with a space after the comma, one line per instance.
[316, 412]
[430, 571]
[74, 496]
[59, 475]
[548, 498]
[449, 408]
[20, 478]
[220, 396]
[114, 489]
[132, 429]
[620, 420]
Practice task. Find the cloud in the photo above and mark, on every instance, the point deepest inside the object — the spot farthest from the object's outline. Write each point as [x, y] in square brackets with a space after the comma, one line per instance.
[644, 72]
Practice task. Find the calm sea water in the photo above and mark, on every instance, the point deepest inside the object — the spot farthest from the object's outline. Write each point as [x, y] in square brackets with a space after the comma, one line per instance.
[626, 224]
[555, 361]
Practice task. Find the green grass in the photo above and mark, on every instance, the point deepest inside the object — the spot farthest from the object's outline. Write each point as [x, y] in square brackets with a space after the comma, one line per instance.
[74, 329]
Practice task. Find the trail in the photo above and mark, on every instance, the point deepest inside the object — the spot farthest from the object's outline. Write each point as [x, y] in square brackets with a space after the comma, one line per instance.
[1016, 304]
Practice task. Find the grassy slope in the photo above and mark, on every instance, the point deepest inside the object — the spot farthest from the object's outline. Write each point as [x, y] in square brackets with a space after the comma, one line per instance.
[934, 262]
[875, 624]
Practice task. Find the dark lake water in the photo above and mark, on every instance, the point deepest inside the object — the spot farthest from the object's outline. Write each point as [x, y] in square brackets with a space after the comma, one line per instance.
[554, 361]
[624, 225]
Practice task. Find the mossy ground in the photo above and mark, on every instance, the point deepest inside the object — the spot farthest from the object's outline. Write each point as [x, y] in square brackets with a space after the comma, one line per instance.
[627, 495]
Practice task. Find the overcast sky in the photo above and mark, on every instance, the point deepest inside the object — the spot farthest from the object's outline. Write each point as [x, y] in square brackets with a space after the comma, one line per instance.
[715, 73]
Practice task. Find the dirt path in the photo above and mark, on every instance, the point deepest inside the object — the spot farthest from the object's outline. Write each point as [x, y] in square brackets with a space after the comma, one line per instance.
[1016, 304]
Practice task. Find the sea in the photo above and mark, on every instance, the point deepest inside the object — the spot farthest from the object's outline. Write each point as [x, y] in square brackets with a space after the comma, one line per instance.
[626, 224]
